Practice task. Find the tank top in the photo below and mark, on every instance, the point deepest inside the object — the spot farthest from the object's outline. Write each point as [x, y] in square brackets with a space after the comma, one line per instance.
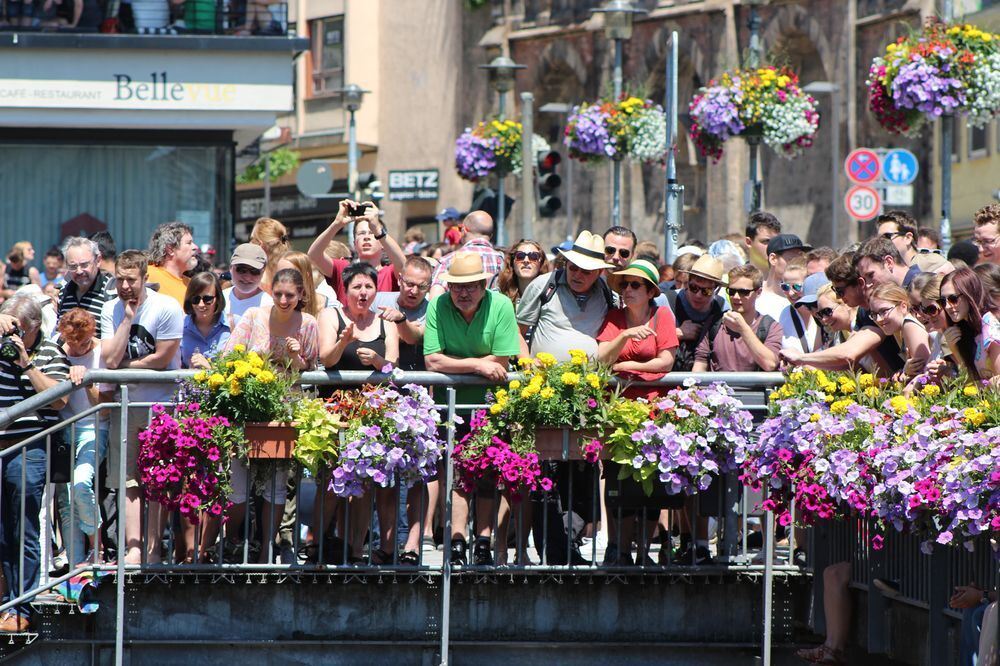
[349, 359]
[16, 277]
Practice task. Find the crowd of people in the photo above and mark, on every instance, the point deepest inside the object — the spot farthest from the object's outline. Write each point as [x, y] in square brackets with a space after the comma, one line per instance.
[894, 304]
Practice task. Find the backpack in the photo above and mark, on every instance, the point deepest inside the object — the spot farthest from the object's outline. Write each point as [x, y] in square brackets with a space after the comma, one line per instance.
[763, 327]
[684, 359]
[550, 291]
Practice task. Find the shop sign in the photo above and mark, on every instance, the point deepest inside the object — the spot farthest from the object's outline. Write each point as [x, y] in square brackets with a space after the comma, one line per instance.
[413, 185]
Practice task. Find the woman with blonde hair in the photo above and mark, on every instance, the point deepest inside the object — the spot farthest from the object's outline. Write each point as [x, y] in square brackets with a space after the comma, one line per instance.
[313, 302]
[890, 309]
[271, 235]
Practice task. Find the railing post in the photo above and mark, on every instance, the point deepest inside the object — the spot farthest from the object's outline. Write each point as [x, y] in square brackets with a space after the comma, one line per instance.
[768, 585]
[122, 545]
[877, 603]
[819, 550]
[449, 474]
[937, 635]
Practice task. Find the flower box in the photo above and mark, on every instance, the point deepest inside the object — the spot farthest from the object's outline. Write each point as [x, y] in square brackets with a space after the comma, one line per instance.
[562, 443]
[272, 440]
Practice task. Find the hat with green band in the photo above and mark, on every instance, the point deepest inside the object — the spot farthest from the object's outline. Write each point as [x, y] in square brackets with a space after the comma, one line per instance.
[639, 268]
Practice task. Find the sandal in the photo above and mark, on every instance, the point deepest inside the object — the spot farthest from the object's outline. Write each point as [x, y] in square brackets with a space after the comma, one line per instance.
[409, 557]
[823, 654]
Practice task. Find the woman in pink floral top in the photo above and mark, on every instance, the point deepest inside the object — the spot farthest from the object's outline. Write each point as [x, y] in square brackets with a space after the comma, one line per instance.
[290, 336]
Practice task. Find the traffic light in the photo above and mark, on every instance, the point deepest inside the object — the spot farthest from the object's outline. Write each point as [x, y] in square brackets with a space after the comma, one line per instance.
[485, 199]
[548, 184]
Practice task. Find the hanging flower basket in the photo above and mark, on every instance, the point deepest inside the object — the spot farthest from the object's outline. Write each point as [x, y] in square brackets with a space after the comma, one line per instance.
[943, 69]
[492, 147]
[609, 129]
[765, 102]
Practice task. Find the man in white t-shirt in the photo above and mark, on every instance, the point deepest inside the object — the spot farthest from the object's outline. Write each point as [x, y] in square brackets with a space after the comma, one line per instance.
[780, 250]
[247, 266]
[141, 329]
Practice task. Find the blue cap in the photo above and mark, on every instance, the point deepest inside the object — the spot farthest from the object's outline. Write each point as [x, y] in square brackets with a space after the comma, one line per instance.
[448, 214]
[811, 287]
[565, 246]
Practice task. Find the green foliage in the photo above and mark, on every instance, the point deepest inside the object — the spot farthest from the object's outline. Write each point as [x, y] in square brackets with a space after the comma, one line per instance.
[283, 160]
[318, 444]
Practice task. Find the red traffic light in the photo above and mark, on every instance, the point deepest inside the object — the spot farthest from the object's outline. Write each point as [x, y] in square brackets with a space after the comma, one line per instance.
[549, 160]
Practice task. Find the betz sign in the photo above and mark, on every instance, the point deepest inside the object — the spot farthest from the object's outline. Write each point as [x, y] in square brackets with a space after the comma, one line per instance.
[413, 185]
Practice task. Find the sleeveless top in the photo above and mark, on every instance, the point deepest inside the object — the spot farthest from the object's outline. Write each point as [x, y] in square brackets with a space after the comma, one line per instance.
[349, 359]
[16, 277]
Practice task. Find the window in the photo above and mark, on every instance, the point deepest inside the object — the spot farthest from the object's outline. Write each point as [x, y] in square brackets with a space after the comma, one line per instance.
[978, 141]
[328, 55]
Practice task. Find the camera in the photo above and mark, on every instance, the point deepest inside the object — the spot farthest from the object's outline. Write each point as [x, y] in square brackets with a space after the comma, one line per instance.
[8, 349]
[357, 210]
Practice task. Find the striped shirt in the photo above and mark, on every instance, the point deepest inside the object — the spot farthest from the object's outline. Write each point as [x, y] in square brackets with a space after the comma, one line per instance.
[16, 386]
[92, 301]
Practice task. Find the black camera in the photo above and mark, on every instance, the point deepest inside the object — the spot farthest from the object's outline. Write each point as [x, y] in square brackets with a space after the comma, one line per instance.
[357, 210]
[8, 349]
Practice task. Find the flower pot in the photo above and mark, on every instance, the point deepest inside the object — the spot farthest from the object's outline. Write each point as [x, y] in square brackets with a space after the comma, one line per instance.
[562, 443]
[272, 440]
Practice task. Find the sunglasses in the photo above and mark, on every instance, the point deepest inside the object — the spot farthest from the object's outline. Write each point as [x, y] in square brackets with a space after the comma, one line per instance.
[950, 299]
[825, 312]
[633, 284]
[791, 286]
[704, 291]
[889, 235]
[531, 256]
[610, 251]
[927, 250]
[930, 310]
[742, 293]
[197, 300]
[840, 291]
[247, 270]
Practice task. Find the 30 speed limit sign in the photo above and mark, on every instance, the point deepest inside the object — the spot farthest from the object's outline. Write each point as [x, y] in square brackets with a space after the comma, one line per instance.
[862, 203]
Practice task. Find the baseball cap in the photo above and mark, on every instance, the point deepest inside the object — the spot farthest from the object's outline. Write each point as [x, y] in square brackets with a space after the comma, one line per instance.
[811, 287]
[249, 254]
[784, 242]
[448, 214]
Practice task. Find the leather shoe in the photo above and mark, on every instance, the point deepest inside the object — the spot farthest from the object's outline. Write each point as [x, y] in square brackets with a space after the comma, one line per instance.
[11, 623]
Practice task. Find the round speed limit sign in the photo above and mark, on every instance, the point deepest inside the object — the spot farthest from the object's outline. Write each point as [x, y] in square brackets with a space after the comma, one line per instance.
[862, 203]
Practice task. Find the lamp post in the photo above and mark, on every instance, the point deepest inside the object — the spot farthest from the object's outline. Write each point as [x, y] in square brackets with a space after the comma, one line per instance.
[947, 145]
[618, 18]
[753, 59]
[501, 72]
[833, 90]
[353, 95]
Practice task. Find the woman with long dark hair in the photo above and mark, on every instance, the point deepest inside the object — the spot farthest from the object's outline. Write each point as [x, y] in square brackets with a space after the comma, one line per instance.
[526, 260]
[974, 324]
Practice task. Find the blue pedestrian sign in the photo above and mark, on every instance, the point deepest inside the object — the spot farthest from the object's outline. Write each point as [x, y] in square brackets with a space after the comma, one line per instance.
[900, 167]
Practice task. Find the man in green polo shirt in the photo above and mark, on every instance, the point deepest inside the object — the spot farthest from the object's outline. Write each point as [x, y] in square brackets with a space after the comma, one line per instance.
[470, 330]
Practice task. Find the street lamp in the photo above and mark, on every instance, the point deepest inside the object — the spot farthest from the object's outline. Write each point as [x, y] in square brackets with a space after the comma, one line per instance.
[352, 94]
[618, 18]
[753, 23]
[753, 58]
[501, 72]
[833, 90]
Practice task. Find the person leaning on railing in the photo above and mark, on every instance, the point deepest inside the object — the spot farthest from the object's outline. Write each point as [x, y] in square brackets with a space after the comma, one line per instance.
[470, 330]
[34, 364]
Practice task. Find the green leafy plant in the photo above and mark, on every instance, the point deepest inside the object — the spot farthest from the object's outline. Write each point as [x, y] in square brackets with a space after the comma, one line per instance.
[283, 160]
[318, 444]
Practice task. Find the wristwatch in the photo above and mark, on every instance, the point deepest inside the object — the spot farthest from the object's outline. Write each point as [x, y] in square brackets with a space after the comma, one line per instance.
[31, 364]
[381, 235]
[402, 318]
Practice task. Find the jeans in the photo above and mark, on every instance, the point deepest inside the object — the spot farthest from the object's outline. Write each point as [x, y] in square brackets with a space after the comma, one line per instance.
[12, 552]
[84, 516]
[972, 622]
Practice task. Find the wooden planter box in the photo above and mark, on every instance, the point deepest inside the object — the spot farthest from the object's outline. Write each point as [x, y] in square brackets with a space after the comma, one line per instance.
[562, 443]
[270, 441]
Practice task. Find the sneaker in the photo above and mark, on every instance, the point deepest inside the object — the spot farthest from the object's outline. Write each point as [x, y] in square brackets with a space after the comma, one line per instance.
[701, 557]
[482, 553]
[459, 550]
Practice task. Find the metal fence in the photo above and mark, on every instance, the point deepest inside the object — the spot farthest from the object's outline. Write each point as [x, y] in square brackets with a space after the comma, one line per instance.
[545, 525]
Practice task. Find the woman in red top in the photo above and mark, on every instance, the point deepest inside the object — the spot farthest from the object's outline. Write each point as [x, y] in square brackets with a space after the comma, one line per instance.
[639, 341]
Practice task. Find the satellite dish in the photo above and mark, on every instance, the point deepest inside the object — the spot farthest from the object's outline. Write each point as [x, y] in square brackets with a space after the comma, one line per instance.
[315, 178]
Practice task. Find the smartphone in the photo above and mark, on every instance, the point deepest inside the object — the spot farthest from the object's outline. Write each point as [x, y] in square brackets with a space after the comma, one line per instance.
[357, 210]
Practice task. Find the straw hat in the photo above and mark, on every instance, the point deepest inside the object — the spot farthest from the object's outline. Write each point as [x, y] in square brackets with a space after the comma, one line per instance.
[587, 252]
[465, 267]
[639, 268]
[708, 268]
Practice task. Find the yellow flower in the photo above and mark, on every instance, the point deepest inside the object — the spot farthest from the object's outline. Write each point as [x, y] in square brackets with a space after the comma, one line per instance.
[899, 404]
[235, 388]
[529, 391]
[840, 407]
[773, 395]
[578, 356]
[495, 409]
[546, 359]
[970, 391]
[871, 392]
[216, 380]
[265, 377]
[866, 380]
[255, 360]
[242, 369]
[501, 394]
[814, 418]
[931, 390]
[570, 378]
[201, 377]
[547, 393]
[514, 385]
[847, 385]
[239, 348]
[974, 416]
[593, 380]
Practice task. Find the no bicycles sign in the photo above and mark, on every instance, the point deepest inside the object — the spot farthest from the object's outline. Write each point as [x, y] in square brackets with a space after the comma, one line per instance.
[862, 202]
